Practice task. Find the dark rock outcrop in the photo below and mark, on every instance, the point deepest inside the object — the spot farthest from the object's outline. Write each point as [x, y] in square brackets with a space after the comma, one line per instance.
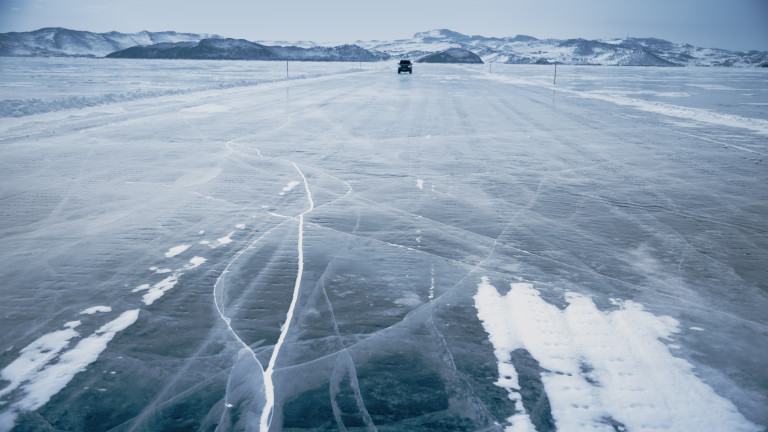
[453, 55]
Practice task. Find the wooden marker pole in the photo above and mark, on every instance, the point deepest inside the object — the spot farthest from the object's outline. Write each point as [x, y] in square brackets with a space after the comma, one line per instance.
[554, 81]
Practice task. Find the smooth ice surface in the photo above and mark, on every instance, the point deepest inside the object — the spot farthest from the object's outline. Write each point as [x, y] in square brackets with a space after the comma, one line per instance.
[203, 245]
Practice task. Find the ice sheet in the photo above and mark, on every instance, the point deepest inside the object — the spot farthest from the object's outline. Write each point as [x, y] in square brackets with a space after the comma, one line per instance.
[305, 254]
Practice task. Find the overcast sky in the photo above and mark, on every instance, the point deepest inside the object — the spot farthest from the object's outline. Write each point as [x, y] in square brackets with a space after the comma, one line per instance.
[731, 24]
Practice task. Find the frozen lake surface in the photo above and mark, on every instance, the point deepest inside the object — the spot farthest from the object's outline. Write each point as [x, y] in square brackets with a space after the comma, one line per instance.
[209, 246]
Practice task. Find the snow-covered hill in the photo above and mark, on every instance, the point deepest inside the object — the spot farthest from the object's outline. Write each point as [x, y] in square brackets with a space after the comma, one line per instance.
[52, 42]
[523, 49]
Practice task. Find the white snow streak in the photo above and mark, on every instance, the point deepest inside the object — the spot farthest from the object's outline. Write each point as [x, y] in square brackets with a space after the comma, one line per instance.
[195, 263]
[630, 375]
[698, 114]
[141, 287]
[34, 356]
[172, 252]
[160, 288]
[703, 115]
[289, 187]
[40, 380]
[96, 309]
[226, 239]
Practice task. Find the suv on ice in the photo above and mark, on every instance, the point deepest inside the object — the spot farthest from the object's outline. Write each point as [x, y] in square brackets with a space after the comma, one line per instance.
[405, 66]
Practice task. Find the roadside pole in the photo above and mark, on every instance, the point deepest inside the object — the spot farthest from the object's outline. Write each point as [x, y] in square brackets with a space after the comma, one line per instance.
[554, 81]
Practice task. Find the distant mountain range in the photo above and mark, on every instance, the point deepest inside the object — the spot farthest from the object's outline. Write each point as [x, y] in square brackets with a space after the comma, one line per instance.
[432, 46]
[61, 42]
[239, 49]
[523, 49]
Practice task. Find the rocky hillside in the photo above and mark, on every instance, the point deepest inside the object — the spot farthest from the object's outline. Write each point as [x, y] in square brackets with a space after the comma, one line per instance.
[240, 49]
[452, 55]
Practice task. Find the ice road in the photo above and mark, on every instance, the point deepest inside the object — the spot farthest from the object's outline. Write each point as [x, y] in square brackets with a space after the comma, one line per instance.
[210, 246]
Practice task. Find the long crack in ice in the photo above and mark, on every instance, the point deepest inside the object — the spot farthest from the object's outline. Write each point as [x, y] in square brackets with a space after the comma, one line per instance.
[269, 388]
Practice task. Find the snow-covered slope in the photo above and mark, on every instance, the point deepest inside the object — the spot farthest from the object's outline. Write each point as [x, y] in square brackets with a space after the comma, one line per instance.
[52, 42]
[523, 49]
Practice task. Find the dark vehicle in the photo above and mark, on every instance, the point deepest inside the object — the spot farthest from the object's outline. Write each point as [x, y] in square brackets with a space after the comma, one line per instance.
[405, 66]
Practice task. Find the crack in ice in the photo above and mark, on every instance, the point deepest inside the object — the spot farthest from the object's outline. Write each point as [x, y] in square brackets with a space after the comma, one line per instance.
[269, 388]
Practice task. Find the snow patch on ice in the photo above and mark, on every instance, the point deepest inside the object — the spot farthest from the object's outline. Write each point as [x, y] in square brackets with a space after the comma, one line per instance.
[40, 380]
[634, 379]
[141, 287]
[176, 250]
[159, 289]
[34, 357]
[158, 270]
[409, 300]
[96, 309]
[226, 239]
[289, 187]
[195, 263]
[492, 316]
[53, 378]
